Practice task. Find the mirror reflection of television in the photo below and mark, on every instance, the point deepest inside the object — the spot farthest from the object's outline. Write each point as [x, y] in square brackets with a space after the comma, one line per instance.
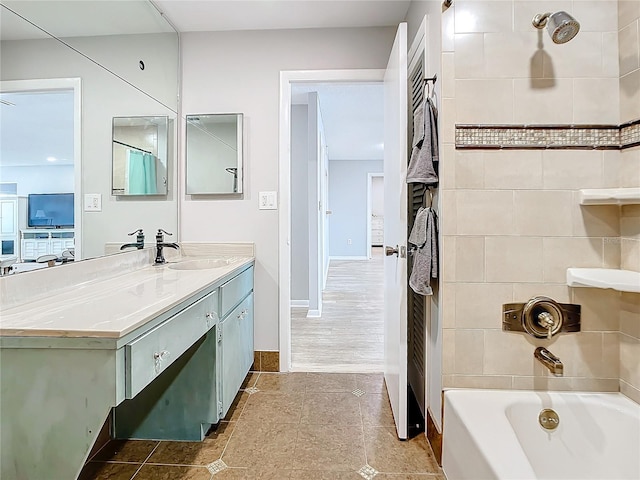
[51, 210]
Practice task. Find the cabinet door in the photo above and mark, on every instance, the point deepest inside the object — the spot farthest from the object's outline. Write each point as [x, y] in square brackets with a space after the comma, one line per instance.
[8, 217]
[235, 352]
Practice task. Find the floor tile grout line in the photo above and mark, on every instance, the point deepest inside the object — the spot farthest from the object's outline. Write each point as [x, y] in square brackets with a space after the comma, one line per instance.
[145, 460]
[236, 425]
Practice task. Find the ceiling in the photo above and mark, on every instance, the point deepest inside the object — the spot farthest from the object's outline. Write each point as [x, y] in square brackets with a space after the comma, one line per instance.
[352, 114]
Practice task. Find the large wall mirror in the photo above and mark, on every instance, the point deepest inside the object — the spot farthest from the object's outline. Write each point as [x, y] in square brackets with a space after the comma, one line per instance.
[214, 154]
[67, 69]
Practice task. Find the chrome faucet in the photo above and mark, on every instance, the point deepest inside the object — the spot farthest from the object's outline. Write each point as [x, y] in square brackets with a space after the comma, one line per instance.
[549, 360]
[139, 240]
[160, 244]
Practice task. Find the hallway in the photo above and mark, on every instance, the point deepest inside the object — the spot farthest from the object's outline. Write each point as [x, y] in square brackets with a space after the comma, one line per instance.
[348, 337]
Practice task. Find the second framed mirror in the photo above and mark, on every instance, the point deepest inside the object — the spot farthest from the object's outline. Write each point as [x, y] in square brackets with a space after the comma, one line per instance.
[214, 154]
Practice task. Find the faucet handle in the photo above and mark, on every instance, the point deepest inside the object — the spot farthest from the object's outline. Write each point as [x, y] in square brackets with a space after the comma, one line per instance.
[138, 231]
[161, 231]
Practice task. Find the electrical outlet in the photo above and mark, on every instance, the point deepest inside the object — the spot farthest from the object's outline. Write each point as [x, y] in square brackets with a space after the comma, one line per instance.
[267, 201]
[92, 202]
[349, 241]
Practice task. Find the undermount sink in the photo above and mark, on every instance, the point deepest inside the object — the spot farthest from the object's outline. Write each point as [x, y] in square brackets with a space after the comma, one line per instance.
[201, 264]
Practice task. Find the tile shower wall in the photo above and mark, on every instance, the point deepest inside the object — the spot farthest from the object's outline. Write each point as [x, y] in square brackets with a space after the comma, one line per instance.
[629, 58]
[510, 220]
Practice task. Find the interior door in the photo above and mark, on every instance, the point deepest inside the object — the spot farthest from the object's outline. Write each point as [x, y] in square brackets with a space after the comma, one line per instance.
[395, 229]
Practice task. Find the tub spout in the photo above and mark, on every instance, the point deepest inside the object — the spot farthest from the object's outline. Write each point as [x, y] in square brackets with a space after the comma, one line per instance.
[549, 360]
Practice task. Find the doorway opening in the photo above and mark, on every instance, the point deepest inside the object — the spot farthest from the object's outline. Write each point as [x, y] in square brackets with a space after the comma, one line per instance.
[330, 242]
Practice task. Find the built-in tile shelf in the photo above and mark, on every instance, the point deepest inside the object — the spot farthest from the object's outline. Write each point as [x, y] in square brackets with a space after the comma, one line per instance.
[610, 196]
[621, 280]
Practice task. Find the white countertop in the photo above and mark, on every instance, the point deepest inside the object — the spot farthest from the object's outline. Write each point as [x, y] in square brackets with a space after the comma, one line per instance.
[113, 307]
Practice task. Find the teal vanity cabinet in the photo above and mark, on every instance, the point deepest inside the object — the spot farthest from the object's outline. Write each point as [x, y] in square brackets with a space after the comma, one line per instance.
[235, 337]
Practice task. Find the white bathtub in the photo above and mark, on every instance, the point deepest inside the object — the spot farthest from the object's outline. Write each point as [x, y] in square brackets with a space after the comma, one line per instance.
[495, 434]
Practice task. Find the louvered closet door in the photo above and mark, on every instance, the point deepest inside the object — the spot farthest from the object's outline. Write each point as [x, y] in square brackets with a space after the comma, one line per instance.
[416, 304]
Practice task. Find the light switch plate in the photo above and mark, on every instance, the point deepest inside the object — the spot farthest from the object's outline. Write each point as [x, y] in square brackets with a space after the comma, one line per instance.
[92, 202]
[268, 200]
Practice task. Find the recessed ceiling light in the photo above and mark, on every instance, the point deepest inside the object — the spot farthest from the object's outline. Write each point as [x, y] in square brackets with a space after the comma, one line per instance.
[51, 159]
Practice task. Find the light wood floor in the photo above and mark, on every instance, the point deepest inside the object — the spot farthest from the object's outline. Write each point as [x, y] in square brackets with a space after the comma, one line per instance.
[349, 335]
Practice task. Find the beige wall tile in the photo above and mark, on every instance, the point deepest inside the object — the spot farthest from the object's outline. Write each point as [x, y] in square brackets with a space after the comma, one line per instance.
[469, 353]
[512, 55]
[630, 254]
[630, 314]
[448, 75]
[594, 220]
[629, 364]
[561, 253]
[479, 305]
[448, 307]
[547, 382]
[581, 57]
[507, 353]
[610, 64]
[448, 258]
[630, 96]
[469, 169]
[469, 259]
[630, 391]
[600, 309]
[447, 167]
[448, 218]
[612, 252]
[610, 366]
[580, 353]
[571, 169]
[448, 30]
[483, 16]
[484, 101]
[448, 351]
[611, 164]
[513, 259]
[447, 119]
[486, 212]
[628, 11]
[469, 56]
[547, 102]
[629, 49]
[630, 167]
[630, 221]
[510, 169]
[596, 15]
[595, 100]
[523, 292]
[543, 212]
[480, 381]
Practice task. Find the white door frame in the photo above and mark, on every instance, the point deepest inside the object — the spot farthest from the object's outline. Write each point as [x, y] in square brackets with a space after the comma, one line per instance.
[50, 84]
[370, 177]
[284, 181]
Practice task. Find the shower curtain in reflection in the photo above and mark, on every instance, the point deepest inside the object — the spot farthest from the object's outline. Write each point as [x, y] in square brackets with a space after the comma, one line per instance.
[141, 173]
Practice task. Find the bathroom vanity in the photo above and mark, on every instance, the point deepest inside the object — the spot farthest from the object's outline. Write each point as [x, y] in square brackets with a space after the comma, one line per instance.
[167, 347]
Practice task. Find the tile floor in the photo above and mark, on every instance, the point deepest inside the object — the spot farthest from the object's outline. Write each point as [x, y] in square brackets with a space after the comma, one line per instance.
[316, 426]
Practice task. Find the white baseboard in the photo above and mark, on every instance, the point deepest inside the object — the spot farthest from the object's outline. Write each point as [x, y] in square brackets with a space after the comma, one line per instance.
[363, 257]
[299, 304]
[314, 313]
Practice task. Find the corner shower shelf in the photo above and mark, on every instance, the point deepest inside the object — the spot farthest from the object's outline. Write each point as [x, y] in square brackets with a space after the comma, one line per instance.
[610, 196]
[621, 280]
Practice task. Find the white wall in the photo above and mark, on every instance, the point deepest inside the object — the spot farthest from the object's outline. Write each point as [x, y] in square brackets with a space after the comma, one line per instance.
[348, 183]
[299, 212]
[40, 179]
[239, 72]
[105, 96]
[377, 195]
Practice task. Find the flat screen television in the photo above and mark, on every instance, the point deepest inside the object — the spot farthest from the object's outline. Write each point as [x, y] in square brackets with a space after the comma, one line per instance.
[51, 210]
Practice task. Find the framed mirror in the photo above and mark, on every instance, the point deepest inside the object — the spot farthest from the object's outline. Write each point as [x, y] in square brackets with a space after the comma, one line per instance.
[214, 154]
[140, 148]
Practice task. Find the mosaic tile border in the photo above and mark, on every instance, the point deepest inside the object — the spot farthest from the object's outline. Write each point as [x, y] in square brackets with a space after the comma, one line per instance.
[534, 137]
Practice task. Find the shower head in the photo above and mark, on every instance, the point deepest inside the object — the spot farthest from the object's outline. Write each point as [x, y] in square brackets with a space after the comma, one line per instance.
[561, 26]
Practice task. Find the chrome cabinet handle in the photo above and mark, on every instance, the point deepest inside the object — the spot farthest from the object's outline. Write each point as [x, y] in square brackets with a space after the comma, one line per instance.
[158, 357]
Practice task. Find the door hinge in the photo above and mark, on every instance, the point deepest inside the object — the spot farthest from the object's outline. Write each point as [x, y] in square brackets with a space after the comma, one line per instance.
[220, 409]
[219, 334]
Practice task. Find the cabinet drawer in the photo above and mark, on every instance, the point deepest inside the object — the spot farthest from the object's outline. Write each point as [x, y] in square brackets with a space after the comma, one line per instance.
[149, 355]
[232, 292]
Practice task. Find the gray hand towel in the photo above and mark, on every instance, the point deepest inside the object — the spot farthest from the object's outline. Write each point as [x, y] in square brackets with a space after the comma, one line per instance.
[425, 260]
[418, 235]
[425, 145]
